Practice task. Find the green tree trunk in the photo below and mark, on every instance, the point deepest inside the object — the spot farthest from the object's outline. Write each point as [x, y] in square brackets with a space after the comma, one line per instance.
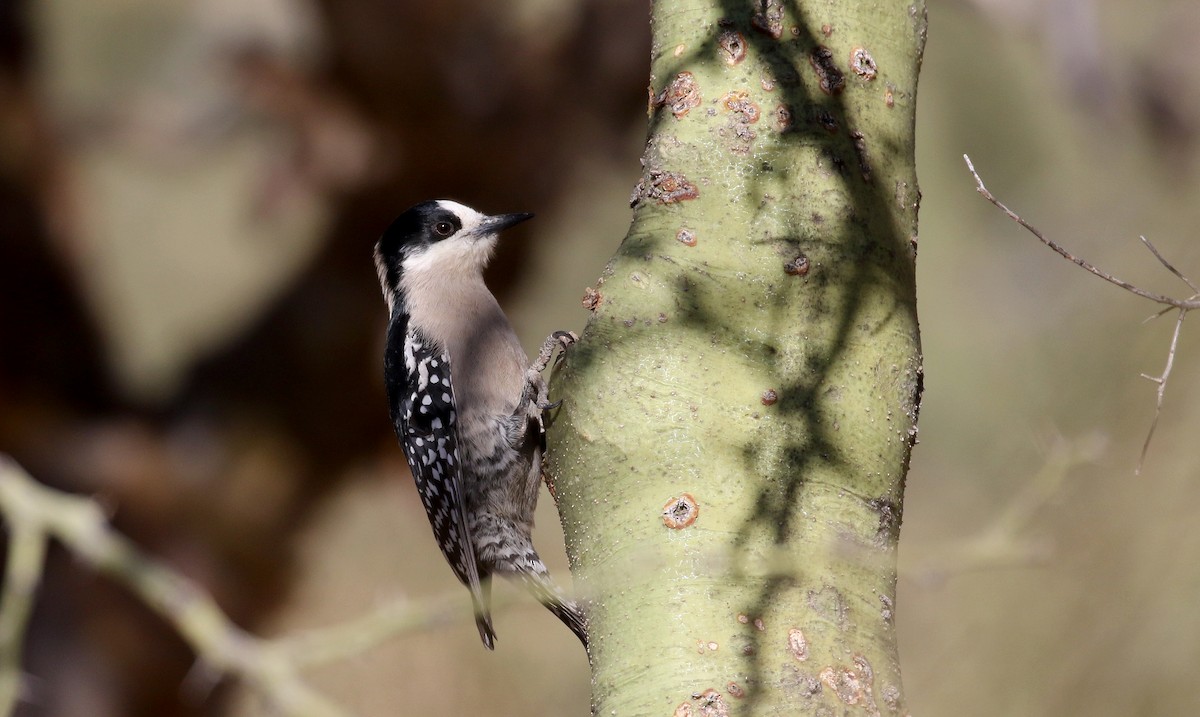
[738, 417]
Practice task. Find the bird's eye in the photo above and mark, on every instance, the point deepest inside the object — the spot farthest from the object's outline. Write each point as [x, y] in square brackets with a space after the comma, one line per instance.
[443, 229]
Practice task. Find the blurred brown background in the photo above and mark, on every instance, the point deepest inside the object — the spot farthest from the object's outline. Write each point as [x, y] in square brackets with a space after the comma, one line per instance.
[190, 330]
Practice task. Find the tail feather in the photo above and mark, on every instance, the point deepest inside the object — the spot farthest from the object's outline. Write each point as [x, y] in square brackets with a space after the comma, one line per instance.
[504, 548]
[548, 594]
[483, 613]
[486, 632]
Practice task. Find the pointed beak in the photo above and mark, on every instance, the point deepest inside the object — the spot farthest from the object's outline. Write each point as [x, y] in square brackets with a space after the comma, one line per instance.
[500, 222]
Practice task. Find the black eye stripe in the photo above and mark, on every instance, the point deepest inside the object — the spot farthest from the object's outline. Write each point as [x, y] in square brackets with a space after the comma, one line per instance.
[443, 225]
[417, 227]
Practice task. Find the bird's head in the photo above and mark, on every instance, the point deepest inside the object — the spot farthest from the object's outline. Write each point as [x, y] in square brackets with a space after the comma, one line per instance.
[440, 240]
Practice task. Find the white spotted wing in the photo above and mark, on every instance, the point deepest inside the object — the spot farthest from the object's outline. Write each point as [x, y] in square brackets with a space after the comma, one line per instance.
[426, 423]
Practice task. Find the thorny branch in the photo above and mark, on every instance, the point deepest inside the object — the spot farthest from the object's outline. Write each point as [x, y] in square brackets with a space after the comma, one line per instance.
[34, 513]
[1171, 303]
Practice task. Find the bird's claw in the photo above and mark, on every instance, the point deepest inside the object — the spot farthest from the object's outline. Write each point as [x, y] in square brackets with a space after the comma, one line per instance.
[559, 339]
[535, 387]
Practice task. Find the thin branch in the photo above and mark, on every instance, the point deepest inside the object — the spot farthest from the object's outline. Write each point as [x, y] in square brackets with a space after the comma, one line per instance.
[330, 644]
[1170, 268]
[1007, 541]
[1160, 312]
[34, 513]
[26, 556]
[1188, 304]
[1162, 389]
[80, 525]
[1170, 303]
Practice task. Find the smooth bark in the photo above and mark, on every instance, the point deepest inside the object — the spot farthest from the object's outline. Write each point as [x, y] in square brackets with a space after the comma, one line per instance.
[730, 456]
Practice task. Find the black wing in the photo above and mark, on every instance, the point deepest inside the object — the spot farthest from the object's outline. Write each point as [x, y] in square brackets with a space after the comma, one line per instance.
[426, 423]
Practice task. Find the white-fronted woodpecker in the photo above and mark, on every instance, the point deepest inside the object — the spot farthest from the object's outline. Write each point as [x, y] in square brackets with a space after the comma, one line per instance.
[465, 402]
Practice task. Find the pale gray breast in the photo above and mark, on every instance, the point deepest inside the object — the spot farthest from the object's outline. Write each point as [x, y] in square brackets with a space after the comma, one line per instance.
[487, 363]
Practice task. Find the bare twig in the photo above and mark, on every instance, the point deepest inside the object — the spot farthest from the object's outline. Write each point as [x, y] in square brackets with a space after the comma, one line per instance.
[1006, 540]
[1181, 303]
[1162, 389]
[35, 513]
[1160, 312]
[330, 644]
[26, 556]
[81, 526]
[1170, 268]
[1170, 303]
[1186, 304]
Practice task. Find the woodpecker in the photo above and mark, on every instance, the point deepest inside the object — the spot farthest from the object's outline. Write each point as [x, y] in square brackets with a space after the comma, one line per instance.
[465, 401]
